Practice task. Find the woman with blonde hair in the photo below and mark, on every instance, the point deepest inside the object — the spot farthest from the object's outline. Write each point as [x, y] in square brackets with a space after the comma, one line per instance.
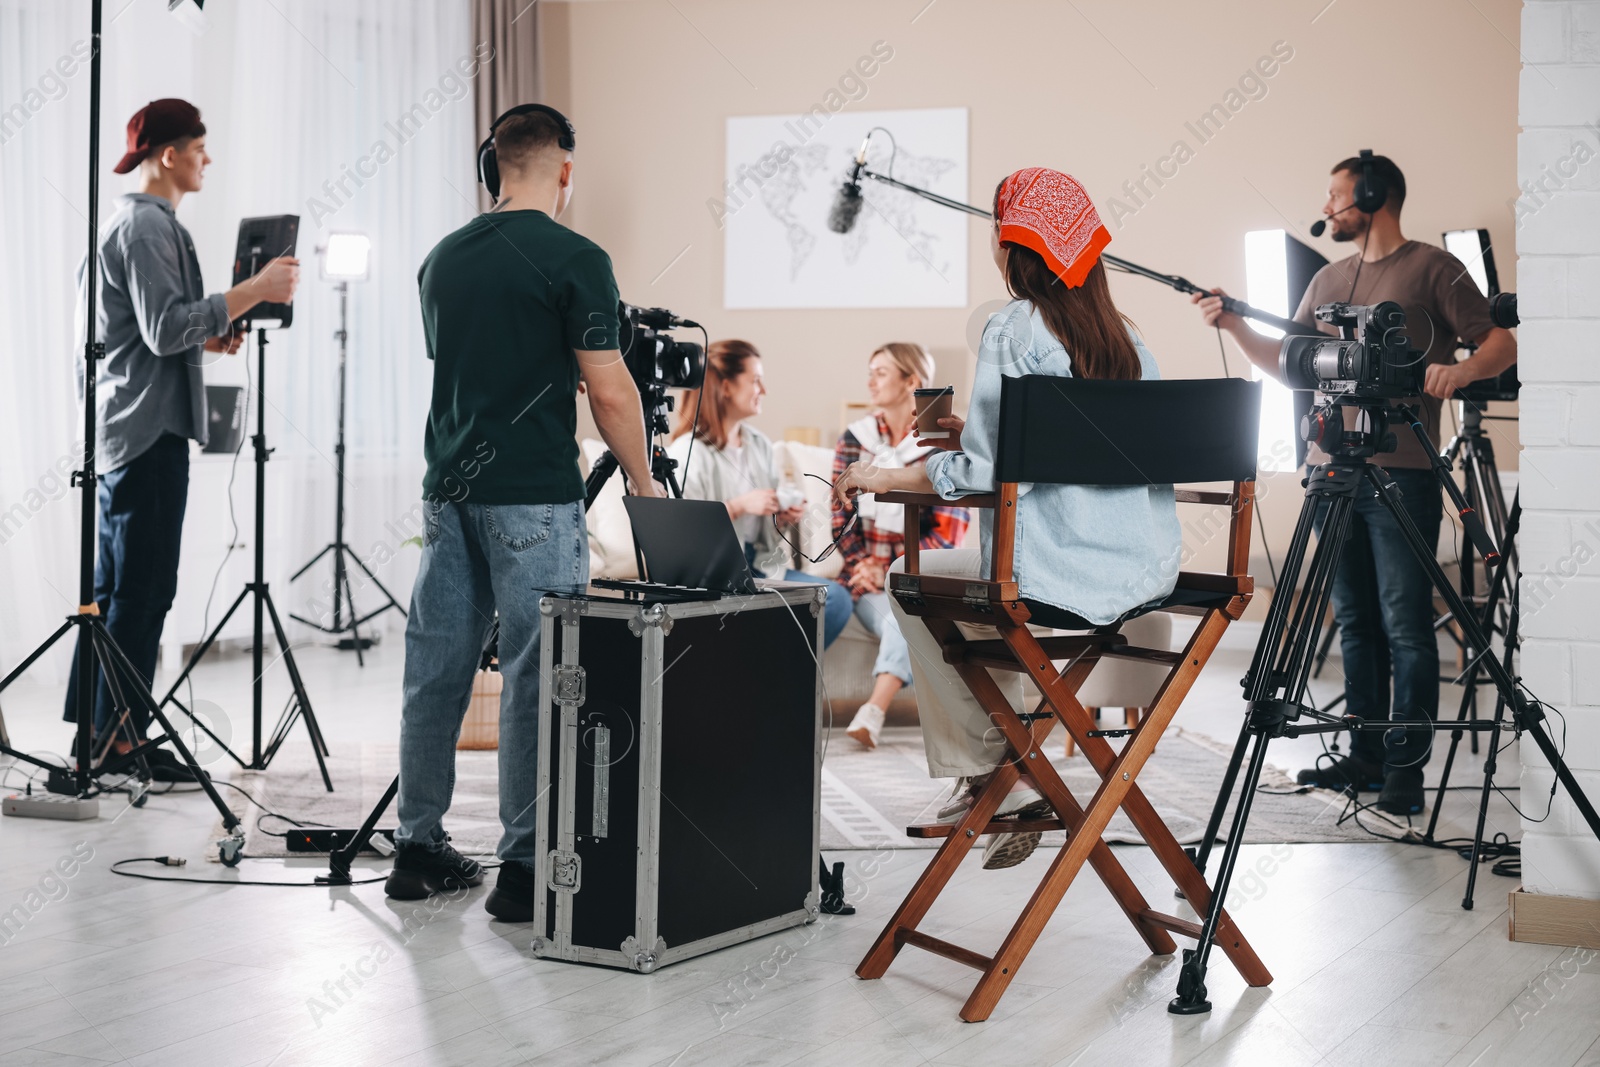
[724, 458]
[886, 439]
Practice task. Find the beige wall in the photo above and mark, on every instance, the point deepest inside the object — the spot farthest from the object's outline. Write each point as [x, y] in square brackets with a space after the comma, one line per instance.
[649, 86]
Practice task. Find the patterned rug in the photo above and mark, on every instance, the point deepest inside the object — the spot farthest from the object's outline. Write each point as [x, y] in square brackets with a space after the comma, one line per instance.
[868, 797]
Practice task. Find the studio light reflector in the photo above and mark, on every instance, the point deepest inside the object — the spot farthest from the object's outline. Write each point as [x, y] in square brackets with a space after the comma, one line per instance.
[1471, 247]
[346, 257]
[1277, 270]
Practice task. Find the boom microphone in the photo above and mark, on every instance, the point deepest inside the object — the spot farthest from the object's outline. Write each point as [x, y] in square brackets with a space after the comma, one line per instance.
[847, 205]
[1322, 224]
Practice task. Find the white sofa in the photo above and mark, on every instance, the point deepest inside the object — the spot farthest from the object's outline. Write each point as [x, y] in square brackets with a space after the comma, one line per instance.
[847, 666]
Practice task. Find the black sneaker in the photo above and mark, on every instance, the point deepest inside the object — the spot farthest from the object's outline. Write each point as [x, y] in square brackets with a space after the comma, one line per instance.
[1402, 792]
[1342, 773]
[515, 889]
[421, 872]
[167, 767]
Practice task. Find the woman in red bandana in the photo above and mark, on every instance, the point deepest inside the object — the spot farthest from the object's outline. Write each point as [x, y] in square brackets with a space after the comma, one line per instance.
[1094, 552]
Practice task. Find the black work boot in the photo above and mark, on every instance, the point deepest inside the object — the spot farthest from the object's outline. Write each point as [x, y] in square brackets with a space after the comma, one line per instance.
[420, 872]
[515, 889]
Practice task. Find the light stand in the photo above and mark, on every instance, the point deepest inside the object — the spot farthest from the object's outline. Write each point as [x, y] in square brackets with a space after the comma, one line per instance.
[96, 647]
[344, 259]
[299, 703]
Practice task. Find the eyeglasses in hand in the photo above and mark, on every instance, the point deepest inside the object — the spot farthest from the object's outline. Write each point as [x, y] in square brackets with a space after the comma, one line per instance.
[855, 516]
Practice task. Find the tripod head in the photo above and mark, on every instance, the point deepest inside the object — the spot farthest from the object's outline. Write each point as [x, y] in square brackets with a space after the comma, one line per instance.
[1360, 438]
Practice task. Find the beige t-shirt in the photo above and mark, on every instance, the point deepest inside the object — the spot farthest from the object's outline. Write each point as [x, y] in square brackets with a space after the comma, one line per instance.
[1441, 302]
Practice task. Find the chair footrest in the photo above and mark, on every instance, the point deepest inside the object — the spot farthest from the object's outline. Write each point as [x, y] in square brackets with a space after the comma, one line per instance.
[1186, 927]
[997, 826]
[943, 948]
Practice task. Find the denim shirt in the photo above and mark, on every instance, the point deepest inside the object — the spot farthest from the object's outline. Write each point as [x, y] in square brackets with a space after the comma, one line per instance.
[1097, 551]
[154, 317]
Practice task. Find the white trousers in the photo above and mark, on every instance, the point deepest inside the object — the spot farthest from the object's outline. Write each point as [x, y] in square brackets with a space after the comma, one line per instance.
[960, 739]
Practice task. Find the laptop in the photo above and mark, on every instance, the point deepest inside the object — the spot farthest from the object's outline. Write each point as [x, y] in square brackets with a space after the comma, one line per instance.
[688, 544]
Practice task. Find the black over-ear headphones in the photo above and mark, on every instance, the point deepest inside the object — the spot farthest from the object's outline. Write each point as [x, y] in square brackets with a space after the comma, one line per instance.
[489, 166]
[1371, 190]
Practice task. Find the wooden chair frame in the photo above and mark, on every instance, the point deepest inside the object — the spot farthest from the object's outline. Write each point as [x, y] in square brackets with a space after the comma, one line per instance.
[942, 602]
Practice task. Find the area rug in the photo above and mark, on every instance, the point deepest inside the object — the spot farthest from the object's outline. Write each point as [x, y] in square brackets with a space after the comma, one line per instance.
[868, 797]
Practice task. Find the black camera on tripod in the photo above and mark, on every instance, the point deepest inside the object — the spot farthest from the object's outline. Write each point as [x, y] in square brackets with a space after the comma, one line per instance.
[655, 358]
[1372, 357]
[1371, 364]
[656, 361]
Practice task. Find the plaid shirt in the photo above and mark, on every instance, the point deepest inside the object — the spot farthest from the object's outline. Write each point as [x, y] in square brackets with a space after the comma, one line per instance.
[942, 527]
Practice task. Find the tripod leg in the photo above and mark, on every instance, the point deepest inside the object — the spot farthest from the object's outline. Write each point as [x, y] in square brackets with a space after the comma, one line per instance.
[230, 821]
[309, 564]
[374, 579]
[355, 621]
[319, 747]
[33, 657]
[340, 860]
[1191, 998]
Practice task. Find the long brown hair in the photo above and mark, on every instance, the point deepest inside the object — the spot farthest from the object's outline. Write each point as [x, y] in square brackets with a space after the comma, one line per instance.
[1083, 319]
[725, 361]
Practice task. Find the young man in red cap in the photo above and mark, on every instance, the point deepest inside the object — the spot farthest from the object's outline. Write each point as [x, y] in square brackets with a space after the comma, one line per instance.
[156, 322]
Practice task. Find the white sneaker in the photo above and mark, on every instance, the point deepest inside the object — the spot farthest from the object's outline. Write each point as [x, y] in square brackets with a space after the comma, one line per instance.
[865, 727]
[1022, 796]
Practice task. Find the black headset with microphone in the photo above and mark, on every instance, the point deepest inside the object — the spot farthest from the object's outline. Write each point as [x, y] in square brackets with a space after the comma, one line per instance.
[489, 165]
[1371, 193]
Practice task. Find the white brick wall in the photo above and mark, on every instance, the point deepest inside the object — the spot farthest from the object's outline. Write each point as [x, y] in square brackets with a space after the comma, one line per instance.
[1558, 275]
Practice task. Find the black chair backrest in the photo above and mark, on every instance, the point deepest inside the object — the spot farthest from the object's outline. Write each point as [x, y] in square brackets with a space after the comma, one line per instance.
[1079, 431]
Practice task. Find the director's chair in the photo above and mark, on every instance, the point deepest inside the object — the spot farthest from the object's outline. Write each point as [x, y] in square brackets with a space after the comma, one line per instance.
[1072, 431]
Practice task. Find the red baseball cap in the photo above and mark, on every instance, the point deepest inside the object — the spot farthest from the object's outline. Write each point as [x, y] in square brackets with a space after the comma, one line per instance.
[157, 123]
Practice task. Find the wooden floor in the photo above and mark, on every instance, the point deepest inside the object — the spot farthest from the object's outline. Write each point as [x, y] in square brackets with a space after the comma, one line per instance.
[1375, 961]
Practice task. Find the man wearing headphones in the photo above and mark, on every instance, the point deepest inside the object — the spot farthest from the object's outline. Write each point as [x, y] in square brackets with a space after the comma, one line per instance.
[1382, 600]
[520, 314]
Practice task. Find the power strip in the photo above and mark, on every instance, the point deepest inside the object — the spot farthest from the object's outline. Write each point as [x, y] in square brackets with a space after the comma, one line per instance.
[50, 806]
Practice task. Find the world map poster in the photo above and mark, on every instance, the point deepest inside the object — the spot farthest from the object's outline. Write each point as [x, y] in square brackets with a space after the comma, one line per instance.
[783, 172]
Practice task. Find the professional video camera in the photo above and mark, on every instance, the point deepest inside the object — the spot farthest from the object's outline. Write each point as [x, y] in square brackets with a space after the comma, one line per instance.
[654, 358]
[657, 362]
[1369, 365]
[1377, 362]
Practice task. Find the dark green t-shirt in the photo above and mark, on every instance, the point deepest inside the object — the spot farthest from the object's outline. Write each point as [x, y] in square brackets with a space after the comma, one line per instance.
[505, 300]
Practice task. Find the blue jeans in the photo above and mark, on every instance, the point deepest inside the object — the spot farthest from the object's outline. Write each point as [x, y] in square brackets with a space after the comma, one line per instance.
[1383, 602]
[479, 560]
[136, 575]
[893, 656]
[836, 610]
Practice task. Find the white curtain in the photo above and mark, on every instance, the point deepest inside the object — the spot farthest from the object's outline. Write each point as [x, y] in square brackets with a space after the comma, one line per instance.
[296, 96]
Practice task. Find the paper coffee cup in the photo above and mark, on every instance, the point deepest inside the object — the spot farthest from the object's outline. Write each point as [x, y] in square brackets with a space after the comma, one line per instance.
[933, 405]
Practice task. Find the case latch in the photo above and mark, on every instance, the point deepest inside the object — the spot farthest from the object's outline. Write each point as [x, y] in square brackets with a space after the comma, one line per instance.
[566, 872]
[571, 684]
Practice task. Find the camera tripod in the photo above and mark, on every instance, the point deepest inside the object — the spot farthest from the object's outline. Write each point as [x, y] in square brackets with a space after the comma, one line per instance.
[342, 592]
[1472, 449]
[299, 703]
[97, 649]
[1275, 685]
[662, 466]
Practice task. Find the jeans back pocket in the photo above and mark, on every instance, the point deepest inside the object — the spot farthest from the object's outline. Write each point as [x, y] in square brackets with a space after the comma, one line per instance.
[519, 526]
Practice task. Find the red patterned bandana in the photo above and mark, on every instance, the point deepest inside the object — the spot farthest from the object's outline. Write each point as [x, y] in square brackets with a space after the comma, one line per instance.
[1051, 213]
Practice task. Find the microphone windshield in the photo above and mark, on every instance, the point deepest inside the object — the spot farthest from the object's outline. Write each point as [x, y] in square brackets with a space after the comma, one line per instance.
[1318, 226]
[846, 206]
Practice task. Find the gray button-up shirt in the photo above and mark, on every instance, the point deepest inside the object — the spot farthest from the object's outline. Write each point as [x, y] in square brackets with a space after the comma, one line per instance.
[154, 318]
